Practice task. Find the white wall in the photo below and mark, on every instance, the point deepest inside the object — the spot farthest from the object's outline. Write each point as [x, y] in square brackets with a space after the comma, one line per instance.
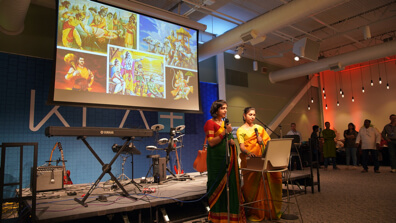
[376, 104]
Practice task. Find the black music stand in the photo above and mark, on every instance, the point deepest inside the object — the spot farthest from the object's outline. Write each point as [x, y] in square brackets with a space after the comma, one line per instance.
[132, 150]
[106, 169]
[295, 145]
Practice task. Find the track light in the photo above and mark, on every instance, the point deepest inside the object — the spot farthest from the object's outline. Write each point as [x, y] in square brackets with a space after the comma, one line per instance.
[362, 89]
[353, 99]
[372, 83]
[296, 58]
[239, 52]
[380, 81]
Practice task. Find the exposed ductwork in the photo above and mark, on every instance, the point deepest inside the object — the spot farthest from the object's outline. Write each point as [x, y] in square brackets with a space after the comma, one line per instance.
[269, 22]
[346, 59]
[12, 16]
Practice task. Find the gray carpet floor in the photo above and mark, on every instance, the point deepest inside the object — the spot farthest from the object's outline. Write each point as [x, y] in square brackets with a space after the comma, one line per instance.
[350, 196]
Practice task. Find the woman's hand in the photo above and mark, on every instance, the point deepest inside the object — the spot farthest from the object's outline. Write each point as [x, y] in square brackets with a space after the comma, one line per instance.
[260, 140]
[232, 142]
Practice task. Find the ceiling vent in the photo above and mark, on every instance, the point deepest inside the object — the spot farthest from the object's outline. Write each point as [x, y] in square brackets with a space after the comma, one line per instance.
[336, 67]
[246, 37]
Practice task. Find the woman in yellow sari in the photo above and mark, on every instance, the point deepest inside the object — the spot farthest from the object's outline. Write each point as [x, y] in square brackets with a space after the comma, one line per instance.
[252, 144]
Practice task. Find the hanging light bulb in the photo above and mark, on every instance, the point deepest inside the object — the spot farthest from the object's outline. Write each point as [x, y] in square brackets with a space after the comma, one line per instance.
[296, 58]
[353, 99]
[324, 96]
[323, 90]
[372, 83]
[340, 91]
[338, 103]
[326, 106]
[309, 107]
[380, 81]
[362, 89]
[312, 100]
[387, 86]
[342, 95]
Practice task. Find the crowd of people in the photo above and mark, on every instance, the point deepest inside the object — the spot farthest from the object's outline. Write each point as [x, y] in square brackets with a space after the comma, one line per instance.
[368, 141]
[227, 190]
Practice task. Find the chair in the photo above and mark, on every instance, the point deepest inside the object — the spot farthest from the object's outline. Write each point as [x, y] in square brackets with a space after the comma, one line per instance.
[275, 159]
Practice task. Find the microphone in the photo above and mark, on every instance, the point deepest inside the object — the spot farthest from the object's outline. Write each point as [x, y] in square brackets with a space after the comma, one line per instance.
[257, 135]
[226, 121]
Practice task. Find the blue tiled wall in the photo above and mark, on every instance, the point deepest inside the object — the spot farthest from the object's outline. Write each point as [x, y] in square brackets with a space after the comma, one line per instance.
[20, 75]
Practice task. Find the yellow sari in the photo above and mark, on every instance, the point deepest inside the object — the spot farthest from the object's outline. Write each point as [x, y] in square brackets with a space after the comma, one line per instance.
[253, 187]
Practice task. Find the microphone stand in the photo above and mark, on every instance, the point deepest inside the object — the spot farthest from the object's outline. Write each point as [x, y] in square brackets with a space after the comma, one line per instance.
[227, 164]
[268, 127]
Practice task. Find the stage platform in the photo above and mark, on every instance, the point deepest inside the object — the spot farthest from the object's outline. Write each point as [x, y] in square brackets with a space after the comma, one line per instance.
[60, 206]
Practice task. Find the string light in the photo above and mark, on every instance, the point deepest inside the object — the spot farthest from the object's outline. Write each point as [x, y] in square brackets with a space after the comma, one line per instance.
[361, 77]
[379, 74]
[371, 74]
[386, 75]
[350, 78]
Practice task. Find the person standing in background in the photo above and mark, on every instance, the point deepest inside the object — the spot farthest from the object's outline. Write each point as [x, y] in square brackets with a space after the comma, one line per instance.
[329, 147]
[369, 139]
[350, 145]
[315, 144]
[389, 134]
[293, 130]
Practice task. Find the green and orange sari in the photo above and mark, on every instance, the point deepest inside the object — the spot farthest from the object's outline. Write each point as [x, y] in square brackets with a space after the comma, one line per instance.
[217, 178]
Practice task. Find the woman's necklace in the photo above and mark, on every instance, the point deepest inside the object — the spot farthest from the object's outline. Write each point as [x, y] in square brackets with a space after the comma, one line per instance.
[218, 121]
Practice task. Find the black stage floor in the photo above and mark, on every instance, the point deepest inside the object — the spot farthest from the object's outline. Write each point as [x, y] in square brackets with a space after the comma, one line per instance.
[109, 206]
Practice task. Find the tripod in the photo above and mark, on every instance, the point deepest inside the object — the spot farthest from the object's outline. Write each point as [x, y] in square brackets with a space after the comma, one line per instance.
[122, 175]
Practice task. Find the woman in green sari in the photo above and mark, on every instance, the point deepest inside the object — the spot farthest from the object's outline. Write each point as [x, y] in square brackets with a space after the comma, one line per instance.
[252, 144]
[218, 133]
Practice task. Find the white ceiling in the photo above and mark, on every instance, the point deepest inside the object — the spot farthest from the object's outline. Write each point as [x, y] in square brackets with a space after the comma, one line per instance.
[338, 29]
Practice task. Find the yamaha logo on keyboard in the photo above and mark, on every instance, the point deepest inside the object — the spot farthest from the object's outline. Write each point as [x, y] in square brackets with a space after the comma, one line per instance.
[107, 132]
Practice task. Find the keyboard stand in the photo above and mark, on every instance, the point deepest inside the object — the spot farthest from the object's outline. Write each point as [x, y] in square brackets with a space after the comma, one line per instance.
[106, 169]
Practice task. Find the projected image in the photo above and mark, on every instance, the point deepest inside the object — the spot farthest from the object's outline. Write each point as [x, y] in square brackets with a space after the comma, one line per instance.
[136, 73]
[182, 83]
[80, 71]
[87, 25]
[111, 57]
[177, 44]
